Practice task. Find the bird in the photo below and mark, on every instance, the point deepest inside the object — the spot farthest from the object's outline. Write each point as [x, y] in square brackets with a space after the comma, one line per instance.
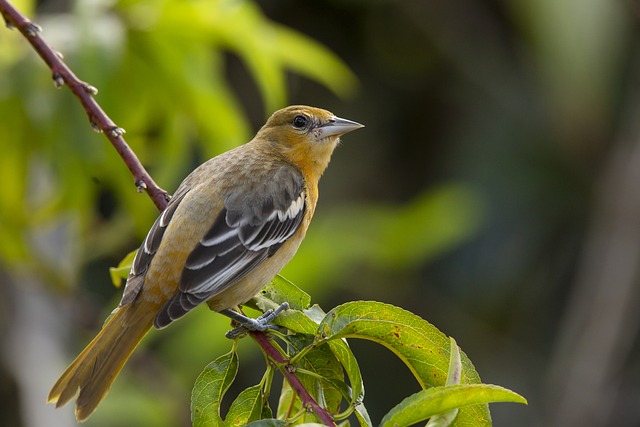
[229, 228]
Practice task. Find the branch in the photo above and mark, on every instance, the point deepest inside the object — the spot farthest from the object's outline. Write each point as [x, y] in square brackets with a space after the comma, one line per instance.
[308, 401]
[84, 92]
[62, 75]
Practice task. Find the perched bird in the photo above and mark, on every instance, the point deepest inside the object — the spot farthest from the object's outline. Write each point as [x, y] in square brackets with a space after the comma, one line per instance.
[230, 227]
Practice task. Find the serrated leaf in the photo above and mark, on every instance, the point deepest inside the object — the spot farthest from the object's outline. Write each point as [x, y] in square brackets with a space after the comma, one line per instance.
[247, 407]
[421, 346]
[426, 403]
[209, 388]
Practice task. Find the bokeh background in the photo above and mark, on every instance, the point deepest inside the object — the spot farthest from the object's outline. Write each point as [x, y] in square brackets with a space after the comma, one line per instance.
[495, 190]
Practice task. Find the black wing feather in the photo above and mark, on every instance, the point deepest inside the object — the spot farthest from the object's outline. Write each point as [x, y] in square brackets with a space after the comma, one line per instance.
[148, 249]
[247, 231]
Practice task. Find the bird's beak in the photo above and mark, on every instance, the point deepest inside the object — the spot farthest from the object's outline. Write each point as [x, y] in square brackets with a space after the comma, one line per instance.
[336, 127]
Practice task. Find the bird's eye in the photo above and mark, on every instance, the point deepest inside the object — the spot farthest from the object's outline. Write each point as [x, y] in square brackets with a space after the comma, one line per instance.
[300, 121]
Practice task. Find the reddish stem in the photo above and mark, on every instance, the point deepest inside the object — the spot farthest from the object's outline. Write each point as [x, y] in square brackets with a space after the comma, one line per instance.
[283, 364]
[84, 92]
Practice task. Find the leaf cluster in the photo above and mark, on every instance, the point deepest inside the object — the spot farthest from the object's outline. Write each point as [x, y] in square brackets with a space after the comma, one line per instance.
[315, 349]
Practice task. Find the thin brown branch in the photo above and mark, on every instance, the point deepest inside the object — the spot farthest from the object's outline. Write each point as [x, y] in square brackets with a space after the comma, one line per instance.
[62, 75]
[287, 370]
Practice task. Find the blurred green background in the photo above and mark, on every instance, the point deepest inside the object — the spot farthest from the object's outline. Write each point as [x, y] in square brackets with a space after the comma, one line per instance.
[494, 191]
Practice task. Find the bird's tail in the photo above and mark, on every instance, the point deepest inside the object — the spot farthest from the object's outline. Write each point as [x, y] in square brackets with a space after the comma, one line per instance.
[95, 369]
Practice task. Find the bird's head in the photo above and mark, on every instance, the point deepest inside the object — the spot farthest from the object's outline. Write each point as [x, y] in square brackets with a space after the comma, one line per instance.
[306, 135]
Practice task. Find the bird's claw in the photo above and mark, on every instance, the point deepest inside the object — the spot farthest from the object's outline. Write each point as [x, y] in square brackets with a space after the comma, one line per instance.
[269, 315]
[260, 324]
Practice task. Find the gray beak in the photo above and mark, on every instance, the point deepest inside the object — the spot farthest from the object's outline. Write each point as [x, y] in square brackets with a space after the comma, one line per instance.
[336, 127]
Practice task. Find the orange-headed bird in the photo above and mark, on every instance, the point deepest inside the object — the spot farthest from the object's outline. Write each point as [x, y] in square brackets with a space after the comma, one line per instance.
[230, 227]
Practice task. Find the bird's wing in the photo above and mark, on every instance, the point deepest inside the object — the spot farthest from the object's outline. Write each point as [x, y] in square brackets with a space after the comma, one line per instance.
[148, 249]
[249, 229]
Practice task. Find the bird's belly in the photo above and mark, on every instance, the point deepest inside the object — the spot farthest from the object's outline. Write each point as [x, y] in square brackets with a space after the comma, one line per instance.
[247, 288]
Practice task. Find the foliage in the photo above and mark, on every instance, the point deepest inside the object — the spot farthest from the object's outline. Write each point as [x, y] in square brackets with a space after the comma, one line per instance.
[161, 68]
[315, 349]
[171, 55]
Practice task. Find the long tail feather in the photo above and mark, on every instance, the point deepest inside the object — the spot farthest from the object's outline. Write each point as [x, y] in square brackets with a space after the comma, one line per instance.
[95, 369]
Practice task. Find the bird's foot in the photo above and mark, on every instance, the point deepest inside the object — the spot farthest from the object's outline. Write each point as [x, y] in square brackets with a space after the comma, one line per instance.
[247, 324]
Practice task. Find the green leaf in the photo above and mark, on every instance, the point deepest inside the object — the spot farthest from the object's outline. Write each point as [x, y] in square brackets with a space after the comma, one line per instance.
[426, 403]
[421, 346]
[246, 408]
[267, 423]
[455, 364]
[121, 272]
[321, 375]
[445, 419]
[267, 413]
[343, 353]
[322, 362]
[282, 290]
[286, 402]
[289, 406]
[209, 388]
[306, 322]
[297, 321]
[363, 416]
[280, 423]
